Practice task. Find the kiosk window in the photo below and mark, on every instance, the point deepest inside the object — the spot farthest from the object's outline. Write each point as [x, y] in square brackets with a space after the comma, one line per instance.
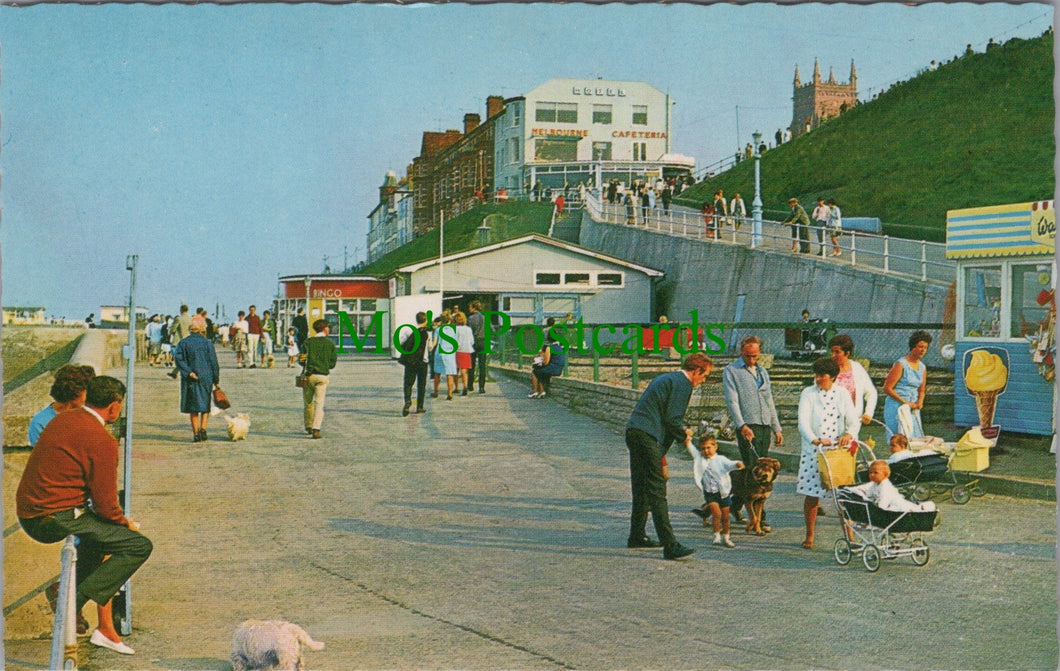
[546, 279]
[1028, 283]
[556, 149]
[982, 302]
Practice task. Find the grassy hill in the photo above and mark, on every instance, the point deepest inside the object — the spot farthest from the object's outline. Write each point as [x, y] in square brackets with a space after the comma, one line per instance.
[505, 220]
[977, 131]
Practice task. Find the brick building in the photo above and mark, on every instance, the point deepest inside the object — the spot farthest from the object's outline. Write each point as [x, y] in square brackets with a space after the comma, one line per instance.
[820, 100]
[452, 167]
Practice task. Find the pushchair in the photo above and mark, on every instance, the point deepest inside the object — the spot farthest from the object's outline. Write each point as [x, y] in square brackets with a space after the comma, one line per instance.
[875, 534]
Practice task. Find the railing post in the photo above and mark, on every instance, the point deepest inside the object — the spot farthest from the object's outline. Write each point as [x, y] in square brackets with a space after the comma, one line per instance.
[634, 370]
[853, 248]
[886, 253]
[64, 629]
[923, 261]
[596, 364]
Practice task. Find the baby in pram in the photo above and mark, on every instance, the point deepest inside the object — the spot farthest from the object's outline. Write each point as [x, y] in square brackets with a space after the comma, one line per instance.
[880, 491]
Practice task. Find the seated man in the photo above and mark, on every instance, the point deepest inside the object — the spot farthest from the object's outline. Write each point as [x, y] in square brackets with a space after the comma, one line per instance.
[70, 487]
[880, 491]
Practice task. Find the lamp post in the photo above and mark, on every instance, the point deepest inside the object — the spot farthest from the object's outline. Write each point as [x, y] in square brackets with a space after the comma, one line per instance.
[756, 206]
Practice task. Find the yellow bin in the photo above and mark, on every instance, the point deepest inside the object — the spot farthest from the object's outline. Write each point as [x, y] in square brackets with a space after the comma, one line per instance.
[972, 452]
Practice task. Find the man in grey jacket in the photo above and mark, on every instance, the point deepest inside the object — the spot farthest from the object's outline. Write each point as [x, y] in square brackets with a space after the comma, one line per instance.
[749, 397]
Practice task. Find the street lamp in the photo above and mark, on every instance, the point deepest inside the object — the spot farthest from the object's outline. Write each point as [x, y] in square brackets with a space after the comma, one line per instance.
[756, 206]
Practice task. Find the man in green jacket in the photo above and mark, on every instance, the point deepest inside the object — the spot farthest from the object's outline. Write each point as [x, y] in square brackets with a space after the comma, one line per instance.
[320, 359]
[800, 227]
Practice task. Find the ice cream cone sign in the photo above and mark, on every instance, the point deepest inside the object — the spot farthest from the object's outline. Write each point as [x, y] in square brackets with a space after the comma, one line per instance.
[985, 378]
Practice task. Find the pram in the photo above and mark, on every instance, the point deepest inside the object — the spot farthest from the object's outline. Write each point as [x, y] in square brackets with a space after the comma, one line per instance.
[811, 340]
[875, 534]
[927, 474]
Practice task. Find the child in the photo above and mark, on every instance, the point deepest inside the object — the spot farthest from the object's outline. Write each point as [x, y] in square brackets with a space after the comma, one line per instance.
[900, 451]
[880, 491]
[711, 475]
[292, 347]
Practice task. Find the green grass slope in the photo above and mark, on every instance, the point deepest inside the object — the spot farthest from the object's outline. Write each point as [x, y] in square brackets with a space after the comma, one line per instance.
[977, 131]
[509, 220]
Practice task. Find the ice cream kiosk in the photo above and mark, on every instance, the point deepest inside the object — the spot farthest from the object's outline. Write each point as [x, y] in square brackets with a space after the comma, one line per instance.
[1006, 317]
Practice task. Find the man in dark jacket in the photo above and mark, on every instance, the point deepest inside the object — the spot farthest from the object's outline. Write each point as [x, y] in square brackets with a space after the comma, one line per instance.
[656, 422]
[320, 359]
[800, 227]
[414, 358]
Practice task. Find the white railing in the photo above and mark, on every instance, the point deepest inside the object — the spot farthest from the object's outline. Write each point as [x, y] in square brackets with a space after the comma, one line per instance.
[64, 629]
[915, 258]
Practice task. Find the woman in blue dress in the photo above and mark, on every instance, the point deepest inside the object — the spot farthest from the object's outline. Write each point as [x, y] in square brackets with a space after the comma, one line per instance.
[445, 356]
[199, 374]
[905, 385]
[553, 359]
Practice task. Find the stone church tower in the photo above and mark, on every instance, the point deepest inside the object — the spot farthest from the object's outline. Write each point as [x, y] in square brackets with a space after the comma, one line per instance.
[820, 100]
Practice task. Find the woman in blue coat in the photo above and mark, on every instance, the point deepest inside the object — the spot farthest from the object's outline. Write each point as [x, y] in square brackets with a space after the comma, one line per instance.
[199, 374]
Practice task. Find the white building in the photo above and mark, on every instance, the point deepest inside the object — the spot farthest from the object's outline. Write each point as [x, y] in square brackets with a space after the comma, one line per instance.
[390, 223]
[575, 130]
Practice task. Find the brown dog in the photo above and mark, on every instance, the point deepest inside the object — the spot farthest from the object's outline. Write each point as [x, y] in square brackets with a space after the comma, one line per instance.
[751, 487]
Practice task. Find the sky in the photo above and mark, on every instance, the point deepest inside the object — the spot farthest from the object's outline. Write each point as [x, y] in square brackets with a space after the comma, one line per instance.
[228, 145]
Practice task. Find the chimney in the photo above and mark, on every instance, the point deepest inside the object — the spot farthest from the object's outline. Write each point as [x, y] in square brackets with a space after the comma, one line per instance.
[471, 122]
[494, 106]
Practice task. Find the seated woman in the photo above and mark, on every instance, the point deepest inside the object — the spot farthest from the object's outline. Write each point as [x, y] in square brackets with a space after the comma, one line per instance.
[880, 491]
[552, 362]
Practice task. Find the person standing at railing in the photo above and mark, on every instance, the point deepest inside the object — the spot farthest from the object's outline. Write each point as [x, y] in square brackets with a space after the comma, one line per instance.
[835, 226]
[721, 211]
[708, 218]
[738, 210]
[645, 203]
[631, 218]
[820, 221]
[800, 225]
[667, 196]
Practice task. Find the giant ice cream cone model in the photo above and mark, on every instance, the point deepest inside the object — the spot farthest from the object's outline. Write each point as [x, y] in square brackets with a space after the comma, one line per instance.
[985, 378]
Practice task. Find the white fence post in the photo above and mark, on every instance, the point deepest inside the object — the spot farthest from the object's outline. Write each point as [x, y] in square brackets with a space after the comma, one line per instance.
[853, 248]
[64, 629]
[886, 253]
[923, 261]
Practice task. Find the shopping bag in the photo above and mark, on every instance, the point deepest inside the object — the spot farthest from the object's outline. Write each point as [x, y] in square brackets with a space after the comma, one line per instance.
[220, 399]
[837, 468]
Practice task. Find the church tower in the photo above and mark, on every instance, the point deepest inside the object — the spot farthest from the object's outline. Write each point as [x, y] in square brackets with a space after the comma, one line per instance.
[820, 100]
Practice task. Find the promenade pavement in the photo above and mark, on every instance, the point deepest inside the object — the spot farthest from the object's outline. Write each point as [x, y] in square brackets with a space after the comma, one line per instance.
[490, 533]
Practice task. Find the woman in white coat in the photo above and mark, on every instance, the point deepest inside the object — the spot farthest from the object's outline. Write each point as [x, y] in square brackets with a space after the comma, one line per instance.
[827, 419]
[853, 377]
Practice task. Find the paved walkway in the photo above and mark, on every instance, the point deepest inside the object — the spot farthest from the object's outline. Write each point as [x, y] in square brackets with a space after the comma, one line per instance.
[490, 533]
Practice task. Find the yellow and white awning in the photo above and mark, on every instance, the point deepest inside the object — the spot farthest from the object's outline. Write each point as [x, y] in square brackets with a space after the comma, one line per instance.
[1021, 229]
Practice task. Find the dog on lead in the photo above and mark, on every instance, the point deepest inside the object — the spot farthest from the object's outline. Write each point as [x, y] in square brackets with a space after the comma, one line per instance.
[238, 426]
[751, 487]
[270, 644]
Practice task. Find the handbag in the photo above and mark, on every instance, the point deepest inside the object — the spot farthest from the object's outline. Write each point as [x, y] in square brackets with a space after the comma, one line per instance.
[301, 380]
[220, 399]
[836, 467]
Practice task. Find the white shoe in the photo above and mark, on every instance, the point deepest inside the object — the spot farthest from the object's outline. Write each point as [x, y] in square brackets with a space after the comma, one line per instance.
[532, 394]
[102, 641]
[727, 543]
[542, 394]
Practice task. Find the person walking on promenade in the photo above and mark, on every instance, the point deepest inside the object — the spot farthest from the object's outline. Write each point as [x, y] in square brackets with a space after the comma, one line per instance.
[749, 399]
[414, 359]
[239, 339]
[465, 351]
[821, 213]
[180, 329]
[196, 360]
[68, 392]
[253, 336]
[301, 326]
[292, 347]
[69, 486]
[721, 211]
[708, 219]
[656, 422]
[835, 226]
[320, 359]
[153, 334]
[906, 384]
[268, 337]
[800, 224]
[477, 321]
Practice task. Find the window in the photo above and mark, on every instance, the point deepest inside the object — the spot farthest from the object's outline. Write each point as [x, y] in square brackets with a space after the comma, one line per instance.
[640, 151]
[556, 149]
[982, 302]
[609, 279]
[556, 112]
[550, 279]
[576, 278]
[601, 114]
[601, 151]
[513, 150]
[640, 115]
[368, 305]
[517, 115]
[1028, 283]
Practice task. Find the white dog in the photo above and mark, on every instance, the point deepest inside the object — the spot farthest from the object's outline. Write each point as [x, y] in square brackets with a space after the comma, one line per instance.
[238, 426]
[270, 644]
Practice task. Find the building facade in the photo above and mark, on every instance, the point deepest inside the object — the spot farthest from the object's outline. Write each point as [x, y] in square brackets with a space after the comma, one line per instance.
[820, 100]
[325, 296]
[454, 170]
[390, 223]
[568, 131]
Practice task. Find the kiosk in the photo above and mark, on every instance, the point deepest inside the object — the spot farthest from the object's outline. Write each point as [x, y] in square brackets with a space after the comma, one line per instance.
[1006, 317]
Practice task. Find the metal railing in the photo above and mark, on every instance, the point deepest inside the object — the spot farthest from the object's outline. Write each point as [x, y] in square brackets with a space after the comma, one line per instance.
[919, 259]
[64, 629]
